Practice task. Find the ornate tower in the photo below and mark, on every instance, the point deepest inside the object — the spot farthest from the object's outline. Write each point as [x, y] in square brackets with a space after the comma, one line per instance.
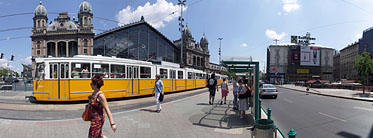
[85, 15]
[205, 46]
[40, 18]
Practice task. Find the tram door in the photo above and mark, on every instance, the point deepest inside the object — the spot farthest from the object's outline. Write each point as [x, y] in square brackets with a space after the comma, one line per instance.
[59, 74]
[133, 78]
[173, 79]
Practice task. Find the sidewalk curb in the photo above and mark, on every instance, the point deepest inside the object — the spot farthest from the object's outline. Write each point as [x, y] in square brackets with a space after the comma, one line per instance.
[343, 97]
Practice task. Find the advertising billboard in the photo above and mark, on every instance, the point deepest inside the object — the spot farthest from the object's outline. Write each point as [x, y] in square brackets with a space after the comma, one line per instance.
[294, 55]
[309, 56]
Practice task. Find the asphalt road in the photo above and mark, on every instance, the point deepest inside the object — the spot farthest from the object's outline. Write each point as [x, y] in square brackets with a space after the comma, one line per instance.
[315, 116]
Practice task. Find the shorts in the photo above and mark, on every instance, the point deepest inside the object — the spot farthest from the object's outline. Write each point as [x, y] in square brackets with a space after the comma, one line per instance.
[212, 92]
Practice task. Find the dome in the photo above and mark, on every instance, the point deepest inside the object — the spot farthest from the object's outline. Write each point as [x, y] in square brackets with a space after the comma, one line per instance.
[40, 10]
[204, 40]
[85, 7]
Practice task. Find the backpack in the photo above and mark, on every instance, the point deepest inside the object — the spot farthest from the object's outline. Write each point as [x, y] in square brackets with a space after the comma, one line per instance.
[211, 82]
[246, 95]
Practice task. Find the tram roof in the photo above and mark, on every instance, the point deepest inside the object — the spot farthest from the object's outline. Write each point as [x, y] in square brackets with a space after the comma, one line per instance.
[93, 58]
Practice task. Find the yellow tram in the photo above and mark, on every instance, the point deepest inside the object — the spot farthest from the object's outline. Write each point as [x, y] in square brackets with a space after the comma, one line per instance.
[68, 79]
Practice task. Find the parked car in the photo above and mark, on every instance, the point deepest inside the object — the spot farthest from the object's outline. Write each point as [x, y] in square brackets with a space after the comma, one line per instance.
[11, 80]
[268, 90]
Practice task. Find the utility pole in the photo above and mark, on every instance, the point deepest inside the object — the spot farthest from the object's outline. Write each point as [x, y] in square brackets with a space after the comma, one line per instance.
[181, 28]
[220, 51]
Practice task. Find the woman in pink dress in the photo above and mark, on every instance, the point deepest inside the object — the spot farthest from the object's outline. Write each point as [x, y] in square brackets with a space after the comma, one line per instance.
[224, 91]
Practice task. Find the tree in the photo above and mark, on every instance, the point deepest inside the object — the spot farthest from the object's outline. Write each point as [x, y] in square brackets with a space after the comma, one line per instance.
[229, 74]
[364, 64]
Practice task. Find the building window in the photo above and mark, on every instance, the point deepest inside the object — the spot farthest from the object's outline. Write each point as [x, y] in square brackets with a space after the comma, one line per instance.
[85, 42]
[38, 45]
[61, 24]
[85, 51]
[38, 52]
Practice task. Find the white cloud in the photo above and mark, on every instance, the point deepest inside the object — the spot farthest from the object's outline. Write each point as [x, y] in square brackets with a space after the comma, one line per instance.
[358, 36]
[244, 45]
[279, 13]
[290, 5]
[26, 60]
[271, 34]
[156, 14]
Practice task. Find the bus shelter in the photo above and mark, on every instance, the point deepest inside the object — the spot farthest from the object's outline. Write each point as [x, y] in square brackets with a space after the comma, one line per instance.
[251, 69]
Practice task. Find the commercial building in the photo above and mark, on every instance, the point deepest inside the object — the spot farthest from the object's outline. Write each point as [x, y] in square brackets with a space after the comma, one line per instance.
[138, 40]
[299, 61]
[63, 37]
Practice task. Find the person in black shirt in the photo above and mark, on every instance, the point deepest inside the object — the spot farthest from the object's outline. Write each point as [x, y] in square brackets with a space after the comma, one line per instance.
[212, 83]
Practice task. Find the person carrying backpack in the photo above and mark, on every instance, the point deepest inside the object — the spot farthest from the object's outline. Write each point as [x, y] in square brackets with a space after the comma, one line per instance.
[243, 94]
[211, 84]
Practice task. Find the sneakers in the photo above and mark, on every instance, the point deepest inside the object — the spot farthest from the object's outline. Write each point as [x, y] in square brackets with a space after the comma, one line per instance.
[210, 102]
[221, 102]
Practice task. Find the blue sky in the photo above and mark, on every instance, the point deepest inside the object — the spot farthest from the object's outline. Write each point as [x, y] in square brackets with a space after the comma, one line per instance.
[247, 27]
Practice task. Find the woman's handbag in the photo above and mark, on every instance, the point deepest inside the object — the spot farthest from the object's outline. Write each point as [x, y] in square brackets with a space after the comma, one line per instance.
[161, 96]
[86, 116]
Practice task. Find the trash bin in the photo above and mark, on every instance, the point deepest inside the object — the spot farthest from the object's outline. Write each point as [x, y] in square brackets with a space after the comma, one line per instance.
[263, 128]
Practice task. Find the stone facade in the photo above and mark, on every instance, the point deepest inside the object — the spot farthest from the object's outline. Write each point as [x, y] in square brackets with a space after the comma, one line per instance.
[195, 55]
[337, 66]
[63, 37]
[347, 61]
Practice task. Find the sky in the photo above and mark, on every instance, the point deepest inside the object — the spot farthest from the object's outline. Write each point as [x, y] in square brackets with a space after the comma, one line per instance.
[247, 27]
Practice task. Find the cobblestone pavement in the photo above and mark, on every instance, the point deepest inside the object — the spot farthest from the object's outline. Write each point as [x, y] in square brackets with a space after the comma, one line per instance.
[188, 117]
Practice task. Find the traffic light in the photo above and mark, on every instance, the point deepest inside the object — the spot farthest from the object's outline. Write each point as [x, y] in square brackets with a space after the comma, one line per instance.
[1, 55]
[11, 59]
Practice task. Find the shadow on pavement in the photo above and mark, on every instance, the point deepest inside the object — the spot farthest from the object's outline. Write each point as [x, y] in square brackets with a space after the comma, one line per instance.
[149, 110]
[348, 135]
[221, 116]
[366, 95]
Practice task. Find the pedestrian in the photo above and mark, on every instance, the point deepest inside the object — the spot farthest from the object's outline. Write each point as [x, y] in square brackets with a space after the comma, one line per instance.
[243, 100]
[159, 89]
[212, 83]
[308, 89]
[224, 91]
[98, 103]
[236, 87]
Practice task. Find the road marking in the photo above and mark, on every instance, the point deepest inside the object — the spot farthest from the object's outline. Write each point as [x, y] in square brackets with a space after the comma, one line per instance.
[361, 108]
[332, 117]
[288, 100]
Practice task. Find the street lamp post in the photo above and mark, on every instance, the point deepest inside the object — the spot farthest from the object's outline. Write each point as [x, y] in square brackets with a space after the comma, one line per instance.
[220, 50]
[104, 48]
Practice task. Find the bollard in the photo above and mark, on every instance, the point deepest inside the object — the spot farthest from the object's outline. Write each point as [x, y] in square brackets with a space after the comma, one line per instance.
[25, 86]
[15, 86]
[291, 133]
[269, 110]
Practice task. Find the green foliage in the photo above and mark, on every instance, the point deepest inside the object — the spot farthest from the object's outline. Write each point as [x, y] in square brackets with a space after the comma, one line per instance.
[364, 64]
[229, 74]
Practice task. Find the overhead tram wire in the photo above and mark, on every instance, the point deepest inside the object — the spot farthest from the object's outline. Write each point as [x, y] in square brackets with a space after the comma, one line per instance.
[328, 25]
[12, 38]
[15, 29]
[356, 6]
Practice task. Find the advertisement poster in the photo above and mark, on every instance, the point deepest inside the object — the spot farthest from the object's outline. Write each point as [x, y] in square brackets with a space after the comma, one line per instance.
[309, 56]
[294, 55]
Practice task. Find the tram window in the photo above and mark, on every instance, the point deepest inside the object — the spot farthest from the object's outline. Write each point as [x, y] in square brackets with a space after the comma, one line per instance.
[163, 73]
[80, 70]
[180, 74]
[145, 72]
[189, 75]
[118, 71]
[39, 71]
[64, 72]
[173, 74]
[53, 71]
[101, 69]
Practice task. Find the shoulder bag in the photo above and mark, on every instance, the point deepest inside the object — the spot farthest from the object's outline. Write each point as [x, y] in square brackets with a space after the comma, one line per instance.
[86, 116]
